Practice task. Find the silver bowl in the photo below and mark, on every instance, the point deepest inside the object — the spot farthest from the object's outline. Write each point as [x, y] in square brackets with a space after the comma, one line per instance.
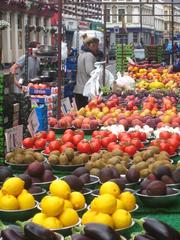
[159, 201]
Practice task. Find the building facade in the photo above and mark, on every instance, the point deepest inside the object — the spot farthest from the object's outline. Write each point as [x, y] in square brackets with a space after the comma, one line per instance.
[12, 39]
[148, 28]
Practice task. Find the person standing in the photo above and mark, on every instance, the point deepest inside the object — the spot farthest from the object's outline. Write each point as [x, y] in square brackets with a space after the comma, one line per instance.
[18, 69]
[85, 66]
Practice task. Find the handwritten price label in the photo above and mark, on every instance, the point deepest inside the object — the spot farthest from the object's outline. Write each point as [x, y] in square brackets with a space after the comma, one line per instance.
[33, 123]
[14, 137]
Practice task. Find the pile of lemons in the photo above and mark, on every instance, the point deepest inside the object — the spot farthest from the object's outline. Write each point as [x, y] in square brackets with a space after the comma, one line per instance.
[59, 209]
[13, 196]
[111, 207]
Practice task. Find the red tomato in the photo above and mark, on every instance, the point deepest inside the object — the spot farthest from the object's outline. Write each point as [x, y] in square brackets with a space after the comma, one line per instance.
[47, 150]
[135, 135]
[96, 133]
[51, 136]
[28, 142]
[131, 150]
[174, 142]
[95, 145]
[113, 137]
[143, 136]
[40, 143]
[77, 138]
[105, 141]
[112, 146]
[123, 135]
[164, 146]
[136, 142]
[54, 145]
[70, 131]
[125, 139]
[84, 146]
[79, 132]
[67, 138]
[104, 133]
[176, 136]
[66, 145]
[165, 135]
[171, 150]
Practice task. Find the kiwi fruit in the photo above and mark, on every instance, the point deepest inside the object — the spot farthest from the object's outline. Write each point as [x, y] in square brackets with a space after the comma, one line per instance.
[117, 152]
[28, 158]
[39, 157]
[63, 159]
[53, 159]
[19, 158]
[95, 156]
[9, 156]
[144, 173]
[121, 169]
[95, 171]
[69, 152]
[114, 160]
[84, 157]
[99, 164]
[55, 152]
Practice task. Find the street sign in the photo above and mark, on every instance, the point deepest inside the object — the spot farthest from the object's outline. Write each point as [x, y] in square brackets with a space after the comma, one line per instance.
[116, 29]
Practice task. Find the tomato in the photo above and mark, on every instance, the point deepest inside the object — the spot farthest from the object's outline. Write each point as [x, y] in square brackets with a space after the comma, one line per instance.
[123, 135]
[96, 133]
[105, 141]
[174, 142]
[95, 145]
[51, 136]
[79, 132]
[70, 131]
[176, 136]
[104, 133]
[77, 138]
[84, 146]
[67, 138]
[171, 150]
[164, 146]
[66, 145]
[125, 139]
[28, 142]
[113, 137]
[143, 136]
[112, 146]
[165, 135]
[47, 150]
[131, 150]
[135, 135]
[136, 142]
[40, 143]
[54, 145]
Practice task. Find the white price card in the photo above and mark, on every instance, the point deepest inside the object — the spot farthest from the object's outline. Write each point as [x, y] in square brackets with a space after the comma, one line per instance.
[33, 123]
[14, 137]
[66, 105]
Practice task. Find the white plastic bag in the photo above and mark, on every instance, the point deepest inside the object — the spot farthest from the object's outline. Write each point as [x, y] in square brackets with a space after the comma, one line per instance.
[125, 81]
[94, 84]
[64, 51]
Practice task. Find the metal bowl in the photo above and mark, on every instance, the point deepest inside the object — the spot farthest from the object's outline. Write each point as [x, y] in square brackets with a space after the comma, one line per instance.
[65, 231]
[94, 182]
[126, 229]
[159, 201]
[45, 185]
[38, 196]
[174, 185]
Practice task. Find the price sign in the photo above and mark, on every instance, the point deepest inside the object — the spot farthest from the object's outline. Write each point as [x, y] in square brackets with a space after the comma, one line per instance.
[33, 123]
[14, 137]
[66, 105]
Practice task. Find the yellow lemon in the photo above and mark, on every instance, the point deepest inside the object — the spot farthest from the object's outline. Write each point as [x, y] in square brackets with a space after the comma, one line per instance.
[1, 194]
[104, 219]
[52, 223]
[110, 188]
[88, 216]
[106, 203]
[60, 188]
[129, 200]
[26, 200]
[67, 204]
[52, 206]
[121, 218]
[9, 202]
[13, 186]
[77, 199]
[39, 218]
[120, 204]
[69, 217]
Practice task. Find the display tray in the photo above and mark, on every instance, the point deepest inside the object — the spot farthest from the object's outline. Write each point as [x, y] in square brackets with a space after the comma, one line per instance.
[60, 130]
[66, 167]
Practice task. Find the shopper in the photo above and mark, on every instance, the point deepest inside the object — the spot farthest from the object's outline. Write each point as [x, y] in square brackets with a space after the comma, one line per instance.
[176, 66]
[85, 66]
[18, 69]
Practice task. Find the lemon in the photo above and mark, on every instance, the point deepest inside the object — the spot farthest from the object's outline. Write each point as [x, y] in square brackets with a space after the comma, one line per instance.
[1, 194]
[69, 217]
[52, 223]
[129, 200]
[104, 219]
[26, 200]
[39, 218]
[13, 186]
[120, 204]
[60, 188]
[88, 216]
[52, 206]
[110, 188]
[106, 203]
[67, 204]
[77, 199]
[121, 218]
[9, 202]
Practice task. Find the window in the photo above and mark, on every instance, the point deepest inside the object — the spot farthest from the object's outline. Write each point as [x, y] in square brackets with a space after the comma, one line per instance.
[135, 37]
[121, 12]
[165, 26]
[108, 17]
